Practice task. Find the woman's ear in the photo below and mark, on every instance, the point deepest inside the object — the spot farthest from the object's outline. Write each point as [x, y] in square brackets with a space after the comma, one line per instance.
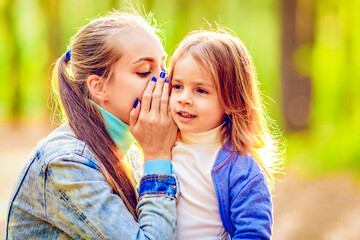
[97, 89]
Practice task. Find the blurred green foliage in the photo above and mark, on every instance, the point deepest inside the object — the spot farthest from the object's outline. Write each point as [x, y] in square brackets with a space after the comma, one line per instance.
[331, 141]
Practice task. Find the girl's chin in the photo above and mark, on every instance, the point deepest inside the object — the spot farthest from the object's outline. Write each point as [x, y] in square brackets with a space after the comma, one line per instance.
[189, 130]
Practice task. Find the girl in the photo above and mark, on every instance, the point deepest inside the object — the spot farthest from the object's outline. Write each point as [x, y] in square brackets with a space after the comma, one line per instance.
[216, 104]
[77, 183]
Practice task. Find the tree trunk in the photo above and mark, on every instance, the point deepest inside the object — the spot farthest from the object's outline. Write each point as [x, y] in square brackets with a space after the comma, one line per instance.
[297, 39]
[14, 51]
[51, 8]
[181, 20]
[53, 28]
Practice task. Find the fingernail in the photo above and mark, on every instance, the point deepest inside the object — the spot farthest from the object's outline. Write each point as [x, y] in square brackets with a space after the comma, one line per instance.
[162, 74]
[136, 102]
[167, 79]
[153, 79]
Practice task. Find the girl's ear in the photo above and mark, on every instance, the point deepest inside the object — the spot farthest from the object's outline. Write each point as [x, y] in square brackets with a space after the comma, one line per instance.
[97, 89]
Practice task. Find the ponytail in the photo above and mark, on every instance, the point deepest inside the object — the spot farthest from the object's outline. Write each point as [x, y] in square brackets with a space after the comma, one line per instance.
[88, 125]
[95, 50]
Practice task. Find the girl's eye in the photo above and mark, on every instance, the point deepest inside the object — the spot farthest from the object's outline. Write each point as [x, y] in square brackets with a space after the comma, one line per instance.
[143, 74]
[176, 86]
[202, 91]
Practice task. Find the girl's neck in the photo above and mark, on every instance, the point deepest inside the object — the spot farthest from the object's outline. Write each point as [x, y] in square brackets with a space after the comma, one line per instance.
[210, 137]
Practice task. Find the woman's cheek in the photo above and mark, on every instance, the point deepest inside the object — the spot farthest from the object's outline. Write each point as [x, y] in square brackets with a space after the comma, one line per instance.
[139, 90]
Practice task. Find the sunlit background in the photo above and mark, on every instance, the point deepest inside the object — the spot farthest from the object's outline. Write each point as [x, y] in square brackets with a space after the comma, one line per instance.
[306, 54]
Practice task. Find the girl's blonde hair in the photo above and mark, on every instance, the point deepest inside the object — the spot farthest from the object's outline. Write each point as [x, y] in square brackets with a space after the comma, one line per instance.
[94, 50]
[245, 127]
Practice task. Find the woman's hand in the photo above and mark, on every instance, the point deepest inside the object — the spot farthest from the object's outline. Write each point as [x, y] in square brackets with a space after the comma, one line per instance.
[151, 123]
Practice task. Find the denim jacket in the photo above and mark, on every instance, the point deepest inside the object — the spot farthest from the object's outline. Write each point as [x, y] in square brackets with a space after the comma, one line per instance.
[243, 195]
[62, 194]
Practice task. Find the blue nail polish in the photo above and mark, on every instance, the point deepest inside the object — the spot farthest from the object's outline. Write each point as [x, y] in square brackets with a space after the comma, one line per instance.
[153, 79]
[136, 102]
[162, 74]
[167, 79]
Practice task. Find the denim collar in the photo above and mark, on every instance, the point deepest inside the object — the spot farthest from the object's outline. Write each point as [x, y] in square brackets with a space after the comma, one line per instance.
[118, 130]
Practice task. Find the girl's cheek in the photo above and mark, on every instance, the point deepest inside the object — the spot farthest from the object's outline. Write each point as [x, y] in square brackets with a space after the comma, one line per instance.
[172, 100]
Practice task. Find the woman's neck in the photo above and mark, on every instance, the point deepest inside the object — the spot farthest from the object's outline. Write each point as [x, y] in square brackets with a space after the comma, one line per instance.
[118, 130]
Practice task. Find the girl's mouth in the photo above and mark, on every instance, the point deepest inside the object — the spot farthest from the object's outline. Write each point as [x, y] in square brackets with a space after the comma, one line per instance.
[186, 115]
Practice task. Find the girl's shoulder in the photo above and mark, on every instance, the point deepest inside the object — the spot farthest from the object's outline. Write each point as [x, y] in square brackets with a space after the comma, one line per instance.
[232, 159]
[237, 169]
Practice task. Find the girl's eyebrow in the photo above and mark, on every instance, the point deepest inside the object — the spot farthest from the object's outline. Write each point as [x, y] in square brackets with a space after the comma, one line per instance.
[205, 84]
[197, 83]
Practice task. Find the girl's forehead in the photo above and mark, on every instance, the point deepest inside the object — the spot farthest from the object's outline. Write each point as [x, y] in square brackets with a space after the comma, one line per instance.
[188, 69]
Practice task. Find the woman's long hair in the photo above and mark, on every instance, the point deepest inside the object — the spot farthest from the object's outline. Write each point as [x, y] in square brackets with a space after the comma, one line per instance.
[94, 50]
[246, 126]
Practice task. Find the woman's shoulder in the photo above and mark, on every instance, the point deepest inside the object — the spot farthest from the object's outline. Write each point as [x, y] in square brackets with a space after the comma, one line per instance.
[62, 142]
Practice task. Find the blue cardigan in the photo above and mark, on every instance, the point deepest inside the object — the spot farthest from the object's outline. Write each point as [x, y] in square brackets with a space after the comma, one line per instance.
[243, 195]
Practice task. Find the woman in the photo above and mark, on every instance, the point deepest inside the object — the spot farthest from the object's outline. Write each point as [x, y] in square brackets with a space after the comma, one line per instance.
[77, 182]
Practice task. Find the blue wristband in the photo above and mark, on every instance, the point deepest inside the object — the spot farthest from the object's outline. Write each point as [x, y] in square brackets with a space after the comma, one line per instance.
[158, 166]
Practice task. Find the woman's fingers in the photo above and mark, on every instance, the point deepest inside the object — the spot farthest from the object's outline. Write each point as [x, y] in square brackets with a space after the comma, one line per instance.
[164, 102]
[147, 95]
[157, 94]
[134, 114]
[153, 127]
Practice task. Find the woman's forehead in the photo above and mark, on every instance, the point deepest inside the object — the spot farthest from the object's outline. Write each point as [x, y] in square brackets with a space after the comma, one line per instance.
[138, 43]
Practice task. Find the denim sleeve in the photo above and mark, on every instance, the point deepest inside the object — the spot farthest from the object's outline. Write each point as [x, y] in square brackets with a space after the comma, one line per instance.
[251, 207]
[80, 202]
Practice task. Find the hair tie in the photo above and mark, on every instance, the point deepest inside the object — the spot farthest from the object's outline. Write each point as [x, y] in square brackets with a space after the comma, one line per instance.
[68, 55]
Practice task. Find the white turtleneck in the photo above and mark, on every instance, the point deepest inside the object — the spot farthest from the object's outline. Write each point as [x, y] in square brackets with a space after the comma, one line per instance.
[193, 158]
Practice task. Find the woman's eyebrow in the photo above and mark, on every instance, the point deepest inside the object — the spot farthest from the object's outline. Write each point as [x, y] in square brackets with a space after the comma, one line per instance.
[148, 59]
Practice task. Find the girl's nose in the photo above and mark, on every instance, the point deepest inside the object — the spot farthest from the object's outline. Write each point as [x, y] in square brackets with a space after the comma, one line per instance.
[185, 98]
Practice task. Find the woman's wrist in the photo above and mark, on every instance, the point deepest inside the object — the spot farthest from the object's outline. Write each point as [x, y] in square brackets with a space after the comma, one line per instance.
[152, 156]
[160, 166]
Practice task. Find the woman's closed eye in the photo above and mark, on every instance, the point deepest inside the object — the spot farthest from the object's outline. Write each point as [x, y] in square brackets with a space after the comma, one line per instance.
[143, 74]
